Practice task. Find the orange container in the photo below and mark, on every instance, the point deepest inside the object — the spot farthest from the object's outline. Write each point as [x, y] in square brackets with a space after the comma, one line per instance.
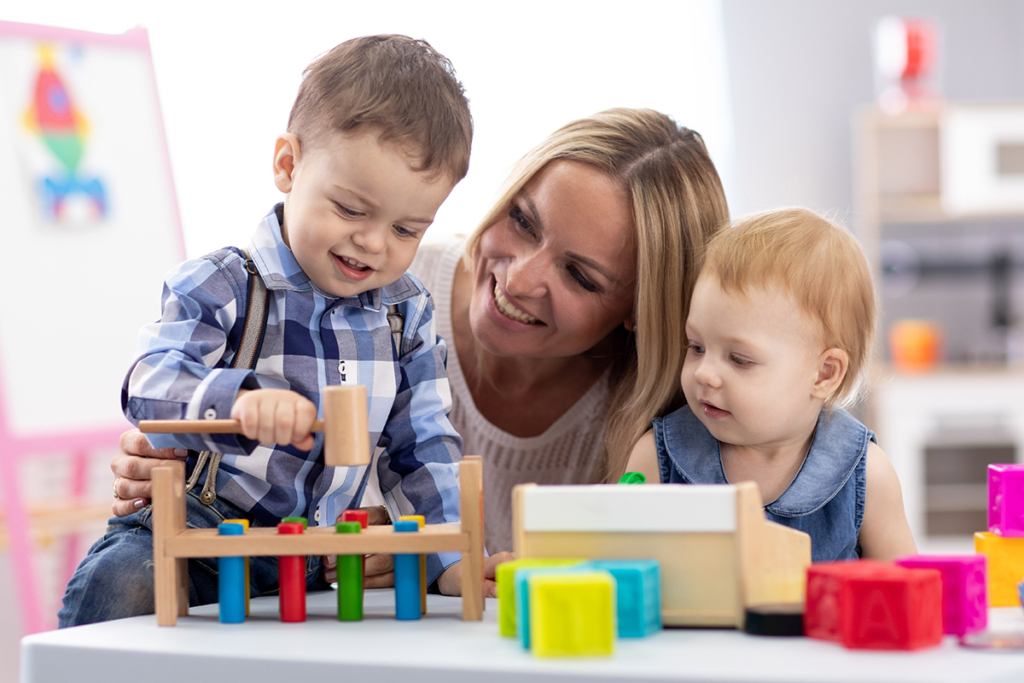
[915, 345]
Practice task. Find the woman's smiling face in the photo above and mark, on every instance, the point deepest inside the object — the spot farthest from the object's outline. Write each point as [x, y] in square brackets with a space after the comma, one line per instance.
[557, 273]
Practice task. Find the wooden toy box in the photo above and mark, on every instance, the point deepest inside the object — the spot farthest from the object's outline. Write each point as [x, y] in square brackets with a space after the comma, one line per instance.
[717, 551]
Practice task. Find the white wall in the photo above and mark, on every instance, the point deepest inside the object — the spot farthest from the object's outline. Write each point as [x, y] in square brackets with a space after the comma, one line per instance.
[798, 68]
[228, 73]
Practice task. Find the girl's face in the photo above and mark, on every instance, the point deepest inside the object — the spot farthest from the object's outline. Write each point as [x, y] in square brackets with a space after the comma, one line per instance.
[557, 273]
[751, 366]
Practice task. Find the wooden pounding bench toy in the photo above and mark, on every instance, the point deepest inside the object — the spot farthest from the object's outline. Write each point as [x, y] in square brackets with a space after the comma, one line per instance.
[346, 443]
[718, 553]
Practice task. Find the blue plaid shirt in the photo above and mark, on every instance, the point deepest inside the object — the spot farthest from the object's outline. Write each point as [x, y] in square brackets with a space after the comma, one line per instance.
[182, 370]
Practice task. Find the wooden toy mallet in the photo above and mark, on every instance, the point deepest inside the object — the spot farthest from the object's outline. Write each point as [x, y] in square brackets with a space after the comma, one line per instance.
[346, 435]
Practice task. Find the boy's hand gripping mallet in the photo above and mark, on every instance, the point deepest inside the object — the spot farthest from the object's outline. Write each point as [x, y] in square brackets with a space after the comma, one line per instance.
[346, 435]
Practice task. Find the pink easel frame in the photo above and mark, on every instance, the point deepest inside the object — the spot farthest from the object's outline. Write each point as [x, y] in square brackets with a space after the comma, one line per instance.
[80, 443]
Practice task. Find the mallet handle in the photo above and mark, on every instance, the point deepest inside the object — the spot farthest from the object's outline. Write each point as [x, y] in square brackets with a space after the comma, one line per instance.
[200, 426]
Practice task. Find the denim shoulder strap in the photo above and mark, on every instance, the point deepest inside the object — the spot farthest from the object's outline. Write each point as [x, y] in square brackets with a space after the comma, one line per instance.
[253, 331]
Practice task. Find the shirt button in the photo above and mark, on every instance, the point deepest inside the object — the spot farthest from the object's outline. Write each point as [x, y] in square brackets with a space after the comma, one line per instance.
[210, 414]
[316, 516]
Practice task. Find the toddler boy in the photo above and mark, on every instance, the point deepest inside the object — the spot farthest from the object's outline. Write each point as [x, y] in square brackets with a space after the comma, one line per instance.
[378, 136]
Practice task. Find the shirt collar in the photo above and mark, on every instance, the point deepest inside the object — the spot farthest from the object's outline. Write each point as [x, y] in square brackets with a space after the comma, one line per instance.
[839, 443]
[280, 270]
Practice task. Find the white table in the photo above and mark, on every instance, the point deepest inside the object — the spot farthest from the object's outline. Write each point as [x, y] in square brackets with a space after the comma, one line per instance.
[442, 647]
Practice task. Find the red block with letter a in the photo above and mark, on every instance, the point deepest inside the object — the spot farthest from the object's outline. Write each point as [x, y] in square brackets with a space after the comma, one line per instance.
[870, 605]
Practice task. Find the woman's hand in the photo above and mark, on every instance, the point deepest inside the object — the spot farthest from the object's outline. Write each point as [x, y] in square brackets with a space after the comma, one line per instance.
[379, 570]
[450, 581]
[133, 471]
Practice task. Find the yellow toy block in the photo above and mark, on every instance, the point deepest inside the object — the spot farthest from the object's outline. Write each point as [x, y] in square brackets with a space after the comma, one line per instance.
[572, 615]
[1005, 567]
[504, 576]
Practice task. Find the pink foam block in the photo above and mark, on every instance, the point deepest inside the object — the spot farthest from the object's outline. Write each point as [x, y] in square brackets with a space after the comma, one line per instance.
[1006, 500]
[964, 601]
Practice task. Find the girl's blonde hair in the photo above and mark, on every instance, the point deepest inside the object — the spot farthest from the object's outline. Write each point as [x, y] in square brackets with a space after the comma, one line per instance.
[677, 203]
[817, 262]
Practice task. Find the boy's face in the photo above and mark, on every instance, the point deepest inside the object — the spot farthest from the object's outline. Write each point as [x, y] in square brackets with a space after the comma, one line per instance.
[752, 365]
[354, 209]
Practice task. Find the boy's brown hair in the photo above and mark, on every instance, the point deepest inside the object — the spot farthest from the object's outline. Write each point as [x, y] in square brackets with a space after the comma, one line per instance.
[817, 262]
[399, 84]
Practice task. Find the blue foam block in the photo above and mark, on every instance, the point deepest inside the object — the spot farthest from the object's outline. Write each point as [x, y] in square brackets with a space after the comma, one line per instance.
[639, 595]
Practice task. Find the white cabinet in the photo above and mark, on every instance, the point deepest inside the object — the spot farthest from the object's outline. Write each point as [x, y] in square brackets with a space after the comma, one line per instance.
[917, 417]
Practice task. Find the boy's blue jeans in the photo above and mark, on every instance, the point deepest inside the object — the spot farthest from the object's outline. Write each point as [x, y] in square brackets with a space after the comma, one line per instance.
[115, 579]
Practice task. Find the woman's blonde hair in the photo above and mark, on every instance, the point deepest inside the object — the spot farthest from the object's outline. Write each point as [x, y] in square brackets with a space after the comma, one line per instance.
[677, 203]
[819, 264]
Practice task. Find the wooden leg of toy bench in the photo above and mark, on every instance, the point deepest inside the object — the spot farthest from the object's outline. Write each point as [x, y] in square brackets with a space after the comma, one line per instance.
[170, 575]
[471, 513]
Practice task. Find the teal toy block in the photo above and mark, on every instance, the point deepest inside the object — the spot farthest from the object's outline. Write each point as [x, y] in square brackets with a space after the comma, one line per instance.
[521, 581]
[638, 594]
[505, 578]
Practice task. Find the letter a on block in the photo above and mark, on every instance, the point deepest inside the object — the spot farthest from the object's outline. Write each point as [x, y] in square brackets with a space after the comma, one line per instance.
[877, 625]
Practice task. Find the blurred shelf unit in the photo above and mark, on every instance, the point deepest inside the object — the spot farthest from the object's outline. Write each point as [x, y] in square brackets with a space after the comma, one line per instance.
[941, 430]
[939, 171]
[938, 163]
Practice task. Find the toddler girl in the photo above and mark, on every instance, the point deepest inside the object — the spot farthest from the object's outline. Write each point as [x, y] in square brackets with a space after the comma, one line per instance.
[778, 334]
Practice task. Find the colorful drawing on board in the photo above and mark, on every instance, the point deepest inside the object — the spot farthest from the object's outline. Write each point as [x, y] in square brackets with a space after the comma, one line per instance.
[55, 119]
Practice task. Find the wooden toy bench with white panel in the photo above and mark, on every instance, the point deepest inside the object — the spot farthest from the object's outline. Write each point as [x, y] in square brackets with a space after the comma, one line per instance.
[718, 553]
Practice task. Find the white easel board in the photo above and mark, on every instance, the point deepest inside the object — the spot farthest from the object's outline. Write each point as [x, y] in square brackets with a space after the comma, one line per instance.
[90, 222]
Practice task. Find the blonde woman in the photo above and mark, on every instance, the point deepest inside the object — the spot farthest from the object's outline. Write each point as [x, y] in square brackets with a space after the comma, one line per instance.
[563, 312]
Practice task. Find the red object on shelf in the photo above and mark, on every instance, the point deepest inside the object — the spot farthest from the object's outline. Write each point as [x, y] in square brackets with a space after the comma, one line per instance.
[291, 578]
[920, 36]
[870, 605]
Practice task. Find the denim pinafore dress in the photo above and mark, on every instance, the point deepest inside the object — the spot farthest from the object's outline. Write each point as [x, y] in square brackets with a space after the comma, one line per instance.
[825, 498]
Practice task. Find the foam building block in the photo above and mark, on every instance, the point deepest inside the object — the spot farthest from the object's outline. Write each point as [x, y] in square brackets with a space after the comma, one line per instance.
[964, 594]
[521, 579]
[870, 605]
[1006, 500]
[637, 597]
[1005, 567]
[505, 577]
[572, 614]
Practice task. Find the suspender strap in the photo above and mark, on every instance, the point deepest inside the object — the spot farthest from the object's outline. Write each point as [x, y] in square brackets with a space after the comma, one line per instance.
[253, 331]
[397, 325]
